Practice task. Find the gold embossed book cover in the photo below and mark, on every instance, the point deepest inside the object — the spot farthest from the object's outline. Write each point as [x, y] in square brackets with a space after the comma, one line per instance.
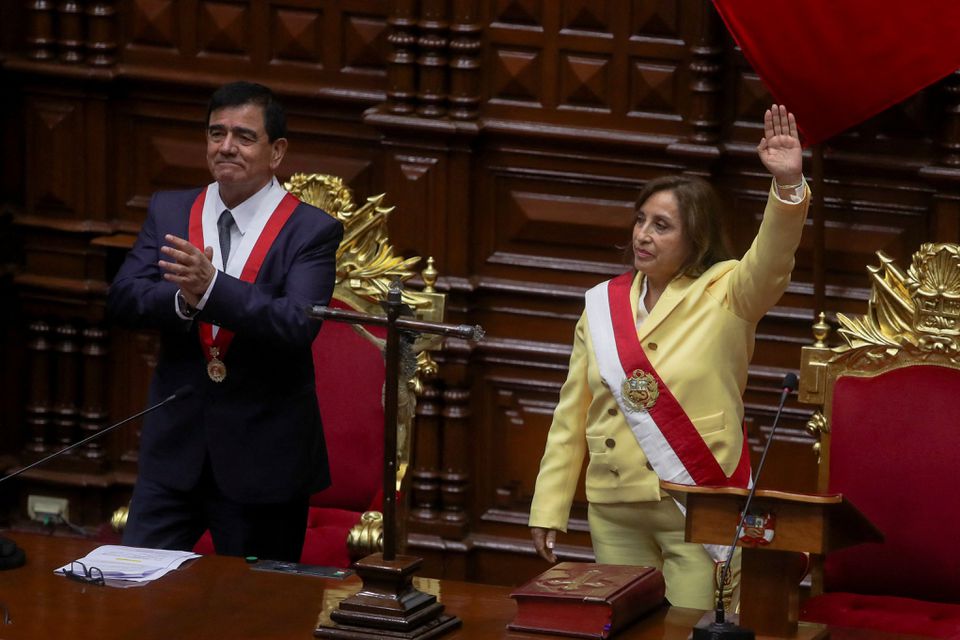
[586, 600]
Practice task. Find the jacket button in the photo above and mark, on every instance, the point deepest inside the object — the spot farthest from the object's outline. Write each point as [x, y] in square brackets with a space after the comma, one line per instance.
[649, 467]
[612, 412]
[610, 442]
[652, 346]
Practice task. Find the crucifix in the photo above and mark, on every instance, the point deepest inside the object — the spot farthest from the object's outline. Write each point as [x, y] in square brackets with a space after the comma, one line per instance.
[388, 601]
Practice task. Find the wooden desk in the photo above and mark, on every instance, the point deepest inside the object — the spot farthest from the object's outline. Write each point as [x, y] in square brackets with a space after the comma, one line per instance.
[216, 598]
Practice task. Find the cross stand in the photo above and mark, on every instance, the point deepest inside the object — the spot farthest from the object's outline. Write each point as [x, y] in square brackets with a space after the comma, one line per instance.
[388, 605]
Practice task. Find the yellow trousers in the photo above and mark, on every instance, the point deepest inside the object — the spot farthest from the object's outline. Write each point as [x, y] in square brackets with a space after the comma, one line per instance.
[650, 534]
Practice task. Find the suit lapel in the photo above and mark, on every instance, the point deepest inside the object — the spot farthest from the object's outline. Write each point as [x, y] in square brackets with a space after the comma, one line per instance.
[668, 301]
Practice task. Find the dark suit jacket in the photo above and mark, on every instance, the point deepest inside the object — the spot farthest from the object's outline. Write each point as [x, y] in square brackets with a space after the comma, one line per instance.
[261, 426]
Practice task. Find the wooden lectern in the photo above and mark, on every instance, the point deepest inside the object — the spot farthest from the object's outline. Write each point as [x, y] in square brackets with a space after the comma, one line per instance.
[783, 526]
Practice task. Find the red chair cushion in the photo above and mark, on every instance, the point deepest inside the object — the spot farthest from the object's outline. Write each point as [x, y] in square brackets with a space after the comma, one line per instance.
[350, 374]
[885, 613]
[894, 446]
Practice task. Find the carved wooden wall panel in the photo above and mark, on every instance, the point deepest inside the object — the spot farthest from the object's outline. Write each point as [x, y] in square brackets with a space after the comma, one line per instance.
[512, 136]
[54, 129]
[339, 44]
[608, 65]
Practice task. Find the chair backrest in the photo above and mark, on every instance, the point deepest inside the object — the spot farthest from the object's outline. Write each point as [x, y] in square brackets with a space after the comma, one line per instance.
[890, 428]
[348, 359]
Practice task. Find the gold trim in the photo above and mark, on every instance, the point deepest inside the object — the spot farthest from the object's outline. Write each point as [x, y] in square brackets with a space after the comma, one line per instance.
[366, 264]
[912, 319]
[366, 536]
[919, 308]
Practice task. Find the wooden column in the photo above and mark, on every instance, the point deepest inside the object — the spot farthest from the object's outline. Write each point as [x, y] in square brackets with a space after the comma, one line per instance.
[465, 44]
[38, 407]
[70, 31]
[66, 391]
[40, 34]
[706, 84]
[101, 33]
[402, 59]
[425, 476]
[455, 477]
[432, 61]
[93, 414]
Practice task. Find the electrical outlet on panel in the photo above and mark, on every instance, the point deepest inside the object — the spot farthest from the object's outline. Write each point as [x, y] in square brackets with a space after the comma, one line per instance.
[43, 507]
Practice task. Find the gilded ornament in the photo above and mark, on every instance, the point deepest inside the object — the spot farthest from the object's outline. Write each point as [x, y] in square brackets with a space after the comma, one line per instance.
[917, 310]
[640, 391]
[216, 369]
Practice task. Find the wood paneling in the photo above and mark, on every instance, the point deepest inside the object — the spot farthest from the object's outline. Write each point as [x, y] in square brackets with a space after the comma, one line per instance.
[511, 135]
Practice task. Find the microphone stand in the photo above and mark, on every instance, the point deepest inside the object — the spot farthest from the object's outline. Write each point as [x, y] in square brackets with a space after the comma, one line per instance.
[721, 628]
[388, 601]
[182, 392]
[11, 555]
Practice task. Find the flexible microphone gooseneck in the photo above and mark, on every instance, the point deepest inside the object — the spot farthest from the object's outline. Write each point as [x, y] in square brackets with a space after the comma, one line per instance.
[720, 629]
[12, 556]
[182, 392]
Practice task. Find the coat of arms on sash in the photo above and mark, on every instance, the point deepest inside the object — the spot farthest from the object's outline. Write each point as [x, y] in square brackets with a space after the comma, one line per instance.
[640, 391]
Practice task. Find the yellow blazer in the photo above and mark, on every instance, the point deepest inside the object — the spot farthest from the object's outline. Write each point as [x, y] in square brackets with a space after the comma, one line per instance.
[700, 338]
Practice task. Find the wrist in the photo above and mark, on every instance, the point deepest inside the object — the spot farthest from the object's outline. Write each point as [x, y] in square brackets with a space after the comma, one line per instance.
[185, 307]
[789, 182]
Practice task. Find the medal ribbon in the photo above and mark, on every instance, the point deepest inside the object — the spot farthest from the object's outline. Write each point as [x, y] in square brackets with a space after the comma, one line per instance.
[670, 418]
[270, 232]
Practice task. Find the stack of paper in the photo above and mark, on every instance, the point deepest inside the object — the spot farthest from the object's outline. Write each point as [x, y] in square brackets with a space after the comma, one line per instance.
[124, 566]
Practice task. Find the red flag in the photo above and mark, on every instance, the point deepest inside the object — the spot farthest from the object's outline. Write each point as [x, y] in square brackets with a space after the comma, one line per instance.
[835, 64]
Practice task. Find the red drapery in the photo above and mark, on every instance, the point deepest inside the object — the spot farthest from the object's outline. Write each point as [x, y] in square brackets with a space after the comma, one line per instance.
[837, 63]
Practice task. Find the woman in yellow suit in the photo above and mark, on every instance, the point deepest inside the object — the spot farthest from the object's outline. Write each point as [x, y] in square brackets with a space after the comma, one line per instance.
[658, 370]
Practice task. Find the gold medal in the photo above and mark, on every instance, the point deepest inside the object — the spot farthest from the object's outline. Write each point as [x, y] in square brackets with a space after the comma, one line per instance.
[640, 391]
[216, 369]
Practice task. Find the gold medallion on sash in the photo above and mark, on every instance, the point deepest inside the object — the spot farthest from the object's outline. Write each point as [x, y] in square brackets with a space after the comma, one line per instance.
[640, 391]
[216, 369]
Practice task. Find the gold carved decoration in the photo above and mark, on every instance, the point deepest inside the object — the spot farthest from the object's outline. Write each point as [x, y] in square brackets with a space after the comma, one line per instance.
[365, 261]
[918, 310]
[913, 318]
[817, 425]
[366, 267]
[366, 537]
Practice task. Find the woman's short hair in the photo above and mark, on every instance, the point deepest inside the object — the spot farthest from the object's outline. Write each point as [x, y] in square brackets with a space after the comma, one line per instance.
[701, 215]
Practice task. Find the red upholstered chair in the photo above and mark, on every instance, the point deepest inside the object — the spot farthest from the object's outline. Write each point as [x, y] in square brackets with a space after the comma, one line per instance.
[890, 441]
[350, 373]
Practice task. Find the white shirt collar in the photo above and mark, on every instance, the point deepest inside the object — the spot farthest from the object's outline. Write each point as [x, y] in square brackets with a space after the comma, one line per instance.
[245, 212]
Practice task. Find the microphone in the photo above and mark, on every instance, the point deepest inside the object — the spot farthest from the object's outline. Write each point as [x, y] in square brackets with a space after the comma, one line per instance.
[180, 393]
[720, 629]
[12, 556]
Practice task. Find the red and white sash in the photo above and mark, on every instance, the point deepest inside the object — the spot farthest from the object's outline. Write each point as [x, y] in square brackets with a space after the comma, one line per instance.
[251, 267]
[669, 439]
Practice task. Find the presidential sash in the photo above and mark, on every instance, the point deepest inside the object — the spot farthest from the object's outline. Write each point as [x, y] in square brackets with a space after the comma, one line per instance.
[215, 347]
[671, 442]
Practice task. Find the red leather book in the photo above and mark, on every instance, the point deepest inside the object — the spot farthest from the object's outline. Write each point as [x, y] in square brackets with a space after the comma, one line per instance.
[586, 600]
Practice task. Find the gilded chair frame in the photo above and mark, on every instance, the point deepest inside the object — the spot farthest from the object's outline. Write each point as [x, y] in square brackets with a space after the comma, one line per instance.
[912, 319]
[366, 268]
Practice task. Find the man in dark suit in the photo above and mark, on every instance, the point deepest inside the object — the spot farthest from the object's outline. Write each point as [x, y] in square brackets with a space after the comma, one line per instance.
[225, 273]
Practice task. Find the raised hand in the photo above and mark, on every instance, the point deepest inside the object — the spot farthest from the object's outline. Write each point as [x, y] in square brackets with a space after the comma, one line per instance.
[779, 149]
